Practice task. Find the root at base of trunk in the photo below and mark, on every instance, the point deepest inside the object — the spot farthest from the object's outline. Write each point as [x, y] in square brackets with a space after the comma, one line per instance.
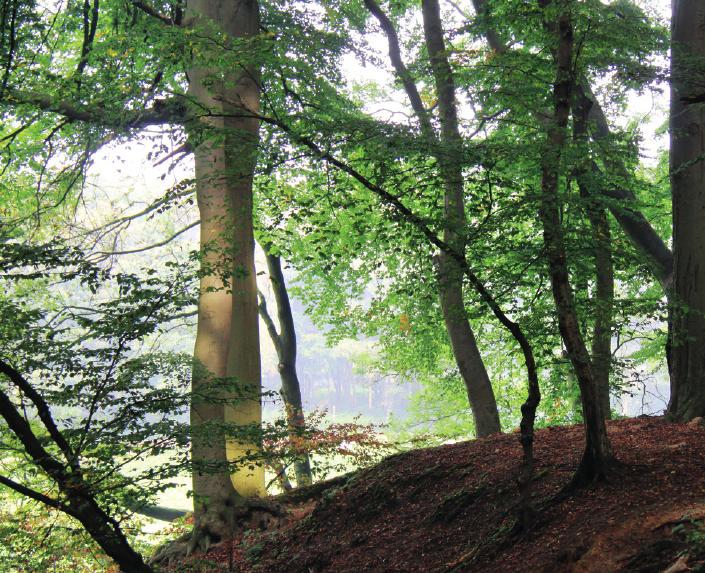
[221, 521]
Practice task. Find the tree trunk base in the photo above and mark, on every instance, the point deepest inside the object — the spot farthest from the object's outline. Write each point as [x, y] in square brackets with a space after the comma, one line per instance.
[592, 470]
[224, 521]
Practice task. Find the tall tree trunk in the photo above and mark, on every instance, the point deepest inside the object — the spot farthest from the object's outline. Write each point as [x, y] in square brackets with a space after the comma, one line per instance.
[526, 511]
[227, 342]
[450, 160]
[687, 169]
[284, 342]
[601, 351]
[597, 455]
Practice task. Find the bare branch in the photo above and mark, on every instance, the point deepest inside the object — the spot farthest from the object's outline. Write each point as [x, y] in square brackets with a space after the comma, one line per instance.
[147, 9]
[105, 254]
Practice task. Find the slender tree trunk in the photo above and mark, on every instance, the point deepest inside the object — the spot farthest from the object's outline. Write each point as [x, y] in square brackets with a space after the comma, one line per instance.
[635, 225]
[601, 351]
[284, 342]
[526, 511]
[283, 479]
[528, 409]
[601, 347]
[687, 169]
[467, 354]
[598, 453]
[227, 342]
[451, 275]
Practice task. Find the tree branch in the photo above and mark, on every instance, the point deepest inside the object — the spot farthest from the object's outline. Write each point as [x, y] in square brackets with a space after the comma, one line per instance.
[401, 70]
[268, 322]
[90, 24]
[43, 410]
[105, 254]
[21, 428]
[164, 111]
[147, 9]
[35, 495]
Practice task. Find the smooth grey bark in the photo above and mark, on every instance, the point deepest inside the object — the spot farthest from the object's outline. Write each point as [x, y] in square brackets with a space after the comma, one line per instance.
[601, 344]
[227, 342]
[448, 153]
[687, 173]
[284, 341]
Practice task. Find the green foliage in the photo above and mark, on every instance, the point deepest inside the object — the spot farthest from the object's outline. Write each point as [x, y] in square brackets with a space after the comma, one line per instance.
[365, 271]
[333, 447]
[34, 539]
[115, 396]
[87, 335]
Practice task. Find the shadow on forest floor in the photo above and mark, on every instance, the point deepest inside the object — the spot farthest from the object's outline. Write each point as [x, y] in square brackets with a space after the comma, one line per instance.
[452, 509]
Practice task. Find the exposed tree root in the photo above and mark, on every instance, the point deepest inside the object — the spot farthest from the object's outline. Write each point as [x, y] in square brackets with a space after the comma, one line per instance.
[224, 521]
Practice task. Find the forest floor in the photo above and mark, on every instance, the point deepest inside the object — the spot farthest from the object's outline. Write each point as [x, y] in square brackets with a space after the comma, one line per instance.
[452, 509]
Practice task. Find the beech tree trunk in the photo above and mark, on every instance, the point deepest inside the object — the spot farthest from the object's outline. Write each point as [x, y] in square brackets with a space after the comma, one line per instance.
[450, 272]
[597, 455]
[451, 275]
[284, 342]
[601, 347]
[687, 171]
[227, 341]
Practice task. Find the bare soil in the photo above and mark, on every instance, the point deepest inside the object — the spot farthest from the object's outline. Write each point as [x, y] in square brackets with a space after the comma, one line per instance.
[452, 509]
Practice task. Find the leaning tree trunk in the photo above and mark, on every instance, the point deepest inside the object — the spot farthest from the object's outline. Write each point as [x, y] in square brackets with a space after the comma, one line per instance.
[687, 168]
[284, 342]
[597, 455]
[451, 275]
[79, 499]
[526, 511]
[227, 342]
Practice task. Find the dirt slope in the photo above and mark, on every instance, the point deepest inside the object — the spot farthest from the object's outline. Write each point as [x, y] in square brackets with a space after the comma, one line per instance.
[451, 509]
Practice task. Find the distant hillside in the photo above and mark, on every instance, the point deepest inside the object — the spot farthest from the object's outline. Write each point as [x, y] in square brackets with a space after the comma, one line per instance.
[451, 509]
